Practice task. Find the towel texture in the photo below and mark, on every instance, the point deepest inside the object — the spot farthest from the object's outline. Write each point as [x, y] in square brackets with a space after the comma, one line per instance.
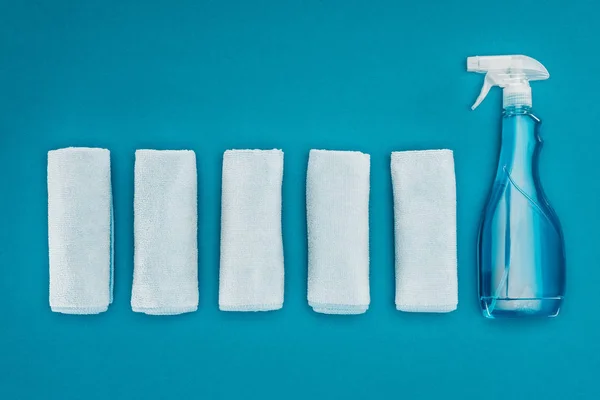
[425, 230]
[251, 274]
[165, 278]
[337, 201]
[80, 230]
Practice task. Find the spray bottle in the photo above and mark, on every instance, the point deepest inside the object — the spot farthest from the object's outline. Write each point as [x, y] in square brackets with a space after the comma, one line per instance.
[521, 256]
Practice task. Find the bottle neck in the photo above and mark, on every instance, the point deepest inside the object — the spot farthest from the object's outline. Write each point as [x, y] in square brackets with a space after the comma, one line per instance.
[520, 145]
[518, 109]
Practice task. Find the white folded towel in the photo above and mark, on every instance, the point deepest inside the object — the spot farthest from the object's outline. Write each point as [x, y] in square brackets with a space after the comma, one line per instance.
[165, 278]
[251, 274]
[425, 230]
[80, 230]
[337, 202]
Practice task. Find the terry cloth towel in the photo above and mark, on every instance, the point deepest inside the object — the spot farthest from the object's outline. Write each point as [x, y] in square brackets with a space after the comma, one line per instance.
[251, 274]
[337, 202]
[425, 230]
[80, 230]
[165, 277]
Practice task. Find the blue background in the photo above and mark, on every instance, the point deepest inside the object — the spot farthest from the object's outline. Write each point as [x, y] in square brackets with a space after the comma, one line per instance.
[374, 76]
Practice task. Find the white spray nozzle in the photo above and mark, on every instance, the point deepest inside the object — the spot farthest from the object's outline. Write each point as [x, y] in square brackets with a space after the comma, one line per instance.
[512, 73]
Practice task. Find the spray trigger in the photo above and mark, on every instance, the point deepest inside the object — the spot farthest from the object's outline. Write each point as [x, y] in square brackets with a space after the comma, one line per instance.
[512, 73]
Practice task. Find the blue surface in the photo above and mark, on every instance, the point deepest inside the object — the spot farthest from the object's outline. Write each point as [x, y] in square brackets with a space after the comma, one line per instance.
[214, 75]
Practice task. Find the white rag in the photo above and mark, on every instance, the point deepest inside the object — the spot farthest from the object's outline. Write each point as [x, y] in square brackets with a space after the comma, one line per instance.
[337, 202]
[80, 230]
[165, 278]
[251, 274]
[425, 230]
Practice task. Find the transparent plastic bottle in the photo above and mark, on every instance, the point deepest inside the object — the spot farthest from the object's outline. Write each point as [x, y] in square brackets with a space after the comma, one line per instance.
[521, 249]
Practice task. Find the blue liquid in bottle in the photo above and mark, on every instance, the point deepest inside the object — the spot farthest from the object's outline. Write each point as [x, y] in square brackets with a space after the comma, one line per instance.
[521, 249]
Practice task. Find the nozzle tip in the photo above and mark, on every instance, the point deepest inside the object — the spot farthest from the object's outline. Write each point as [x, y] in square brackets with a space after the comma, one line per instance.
[473, 64]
